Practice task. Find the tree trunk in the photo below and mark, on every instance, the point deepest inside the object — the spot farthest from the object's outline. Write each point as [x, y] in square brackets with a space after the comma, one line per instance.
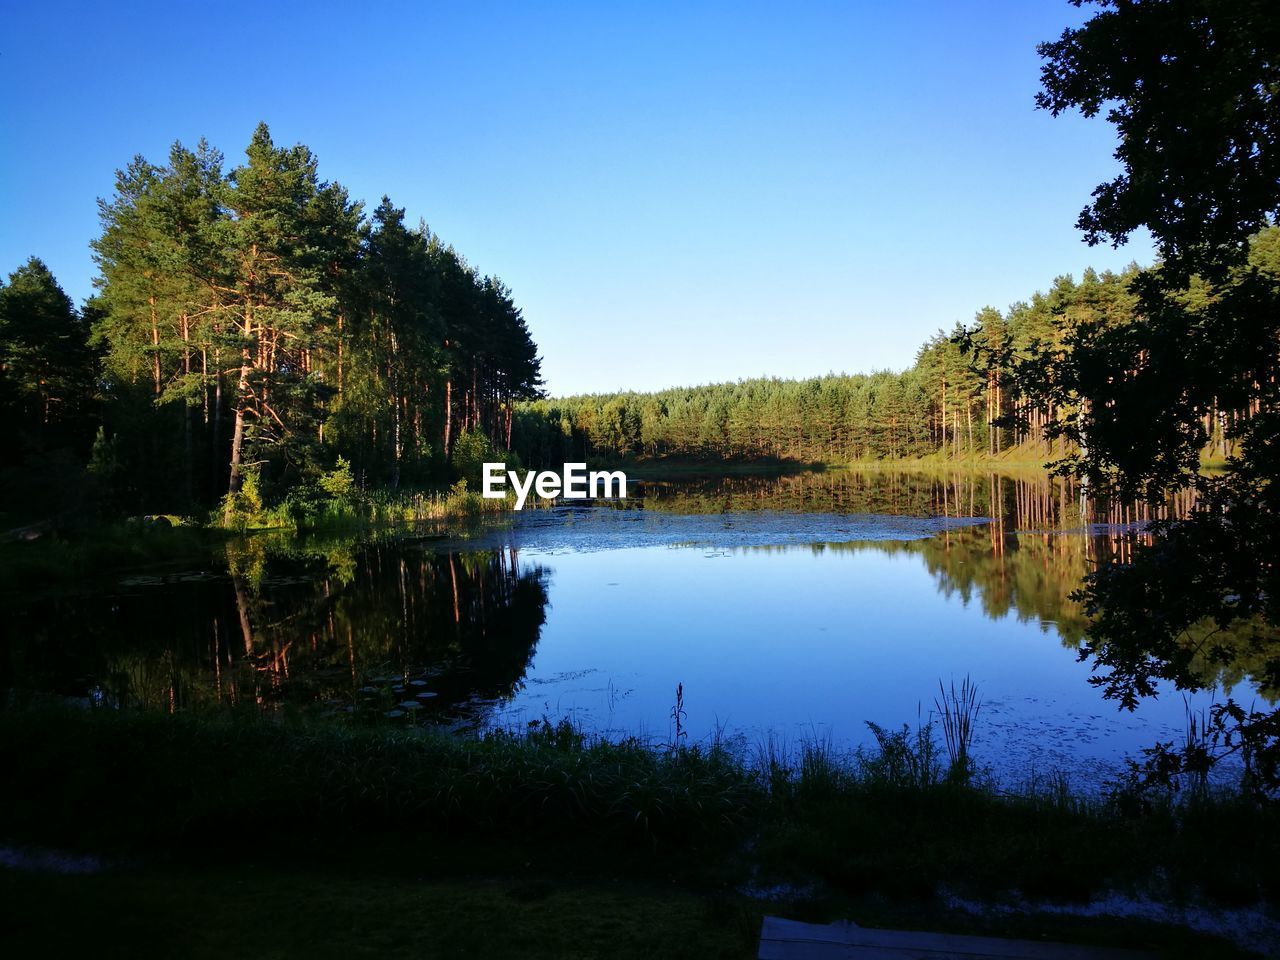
[448, 414]
[155, 347]
[188, 410]
[396, 414]
[237, 434]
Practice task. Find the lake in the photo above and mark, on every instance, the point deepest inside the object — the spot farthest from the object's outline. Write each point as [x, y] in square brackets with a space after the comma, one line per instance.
[788, 607]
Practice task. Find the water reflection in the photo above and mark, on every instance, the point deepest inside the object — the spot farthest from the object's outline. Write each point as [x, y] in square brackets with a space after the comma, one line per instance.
[1032, 501]
[857, 623]
[381, 626]
[1032, 577]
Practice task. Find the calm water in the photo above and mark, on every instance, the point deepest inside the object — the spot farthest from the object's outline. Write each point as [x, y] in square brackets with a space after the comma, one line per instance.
[788, 607]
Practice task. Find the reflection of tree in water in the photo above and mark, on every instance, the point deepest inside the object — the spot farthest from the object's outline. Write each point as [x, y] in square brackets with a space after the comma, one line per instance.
[1021, 562]
[375, 623]
[1029, 575]
[1035, 576]
[299, 622]
[1015, 502]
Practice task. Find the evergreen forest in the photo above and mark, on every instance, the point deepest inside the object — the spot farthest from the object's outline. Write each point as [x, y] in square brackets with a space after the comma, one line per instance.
[254, 333]
[974, 391]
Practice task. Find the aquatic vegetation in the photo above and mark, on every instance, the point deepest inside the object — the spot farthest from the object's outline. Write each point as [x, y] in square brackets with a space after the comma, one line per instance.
[958, 711]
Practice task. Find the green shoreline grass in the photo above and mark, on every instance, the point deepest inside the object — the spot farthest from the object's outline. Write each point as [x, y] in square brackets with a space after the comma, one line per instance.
[1016, 460]
[88, 553]
[84, 552]
[675, 467]
[217, 791]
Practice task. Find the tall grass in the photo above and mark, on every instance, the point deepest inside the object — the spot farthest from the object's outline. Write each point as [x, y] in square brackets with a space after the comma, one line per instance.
[958, 711]
[57, 558]
[147, 778]
[309, 509]
[885, 819]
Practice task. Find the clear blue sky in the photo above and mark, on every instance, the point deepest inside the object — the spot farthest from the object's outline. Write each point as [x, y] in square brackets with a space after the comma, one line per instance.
[682, 193]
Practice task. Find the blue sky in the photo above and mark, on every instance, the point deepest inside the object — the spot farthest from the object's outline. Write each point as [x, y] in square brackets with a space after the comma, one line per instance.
[677, 193]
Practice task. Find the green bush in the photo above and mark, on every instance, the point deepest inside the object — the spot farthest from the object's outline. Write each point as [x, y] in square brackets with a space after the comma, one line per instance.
[338, 484]
[244, 508]
[472, 451]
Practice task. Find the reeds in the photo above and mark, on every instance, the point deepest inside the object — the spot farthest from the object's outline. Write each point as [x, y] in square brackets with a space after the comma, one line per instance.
[678, 717]
[958, 712]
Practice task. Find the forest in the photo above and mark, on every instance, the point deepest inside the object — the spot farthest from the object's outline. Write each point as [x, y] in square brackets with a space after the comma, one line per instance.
[254, 335]
[258, 342]
[974, 391]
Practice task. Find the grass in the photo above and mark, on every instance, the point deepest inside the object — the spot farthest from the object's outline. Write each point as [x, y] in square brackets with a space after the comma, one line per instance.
[958, 711]
[1014, 460]
[81, 554]
[192, 778]
[887, 820]
[310, 508]
[678, 468]
[1025, 459]
[237, 835]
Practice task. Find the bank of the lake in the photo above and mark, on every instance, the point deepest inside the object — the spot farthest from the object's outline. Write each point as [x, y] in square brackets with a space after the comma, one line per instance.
[710, 837]
[73, 549]
[660, 468]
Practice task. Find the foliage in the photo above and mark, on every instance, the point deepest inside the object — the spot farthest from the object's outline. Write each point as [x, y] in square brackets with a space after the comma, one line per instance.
[547, 779]
[903, 759]
[472, 451]
[1191, 89]
[957, 713]
[48, 394]
[338, 483]
[244, 508]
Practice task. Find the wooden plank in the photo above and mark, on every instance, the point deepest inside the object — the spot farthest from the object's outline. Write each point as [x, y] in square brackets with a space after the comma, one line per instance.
[782, 939]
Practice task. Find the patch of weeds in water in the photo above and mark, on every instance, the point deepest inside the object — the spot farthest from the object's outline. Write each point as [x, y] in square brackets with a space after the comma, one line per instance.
[958, 712]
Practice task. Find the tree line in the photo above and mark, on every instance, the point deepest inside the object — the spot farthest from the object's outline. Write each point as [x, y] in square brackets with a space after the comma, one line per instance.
[253, 326]
[979, 389]
[950, 402]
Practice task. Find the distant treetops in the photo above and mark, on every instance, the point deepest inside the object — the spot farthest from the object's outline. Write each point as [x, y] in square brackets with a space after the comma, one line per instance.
[993, 387]
[947, 404]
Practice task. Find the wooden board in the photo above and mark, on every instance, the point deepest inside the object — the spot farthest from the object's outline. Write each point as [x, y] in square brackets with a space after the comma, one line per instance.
[790, 940]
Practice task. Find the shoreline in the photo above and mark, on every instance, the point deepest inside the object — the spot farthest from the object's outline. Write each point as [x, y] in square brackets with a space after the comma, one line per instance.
[813, 830]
